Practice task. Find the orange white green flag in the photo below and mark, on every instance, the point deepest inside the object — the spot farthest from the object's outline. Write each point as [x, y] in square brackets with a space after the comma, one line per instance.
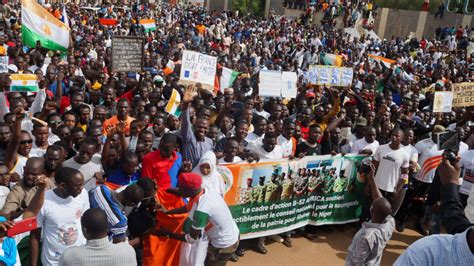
[24, 82]
[40, 25]
[148, 24]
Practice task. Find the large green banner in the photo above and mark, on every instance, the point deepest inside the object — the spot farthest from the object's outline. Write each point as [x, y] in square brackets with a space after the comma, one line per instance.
[272, 197]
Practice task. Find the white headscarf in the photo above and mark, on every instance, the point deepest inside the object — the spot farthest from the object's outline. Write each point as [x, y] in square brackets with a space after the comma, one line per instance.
[213, 181]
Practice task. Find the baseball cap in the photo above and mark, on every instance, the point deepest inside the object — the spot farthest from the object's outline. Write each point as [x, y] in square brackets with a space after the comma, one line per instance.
[310, 95]
[190, 180]
[158, 79]
[361, 121]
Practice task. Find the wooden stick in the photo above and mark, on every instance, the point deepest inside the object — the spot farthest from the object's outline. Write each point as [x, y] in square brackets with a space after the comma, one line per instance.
[39, 120]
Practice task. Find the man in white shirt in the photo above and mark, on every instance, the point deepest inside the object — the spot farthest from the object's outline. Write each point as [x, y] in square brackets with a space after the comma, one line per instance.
[392, 161]
[268, 149]
[367, 145]
[256, 136]
[87, 161]
[286, 140]
[59, 219]
[40, 145]
[402, 214]
[204, 209]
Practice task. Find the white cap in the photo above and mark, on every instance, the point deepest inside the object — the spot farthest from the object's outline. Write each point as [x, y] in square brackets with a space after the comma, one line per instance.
[13, 68]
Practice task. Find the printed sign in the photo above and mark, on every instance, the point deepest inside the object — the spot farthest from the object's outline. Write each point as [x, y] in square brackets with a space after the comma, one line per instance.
[443, 102]
[329, 75]
[272, 197]
[288, 84]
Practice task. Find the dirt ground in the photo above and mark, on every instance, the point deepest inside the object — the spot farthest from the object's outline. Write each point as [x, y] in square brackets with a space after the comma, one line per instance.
[328, 249]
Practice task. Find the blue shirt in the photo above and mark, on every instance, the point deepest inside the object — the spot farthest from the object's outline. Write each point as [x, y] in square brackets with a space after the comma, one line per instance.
[439, 250]
[192, 148]
[120, 178]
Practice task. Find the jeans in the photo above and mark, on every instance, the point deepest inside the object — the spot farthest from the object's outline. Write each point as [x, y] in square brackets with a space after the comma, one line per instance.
[434, 219]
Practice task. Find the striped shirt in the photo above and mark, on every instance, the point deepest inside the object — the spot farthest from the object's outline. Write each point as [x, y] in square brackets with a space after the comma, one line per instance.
[103, 198]
[439, 250]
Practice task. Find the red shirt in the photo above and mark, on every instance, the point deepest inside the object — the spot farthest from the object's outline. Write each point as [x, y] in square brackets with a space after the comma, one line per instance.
[163, 170]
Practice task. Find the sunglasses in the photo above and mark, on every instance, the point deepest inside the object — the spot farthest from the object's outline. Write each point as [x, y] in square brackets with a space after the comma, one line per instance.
[23, 142]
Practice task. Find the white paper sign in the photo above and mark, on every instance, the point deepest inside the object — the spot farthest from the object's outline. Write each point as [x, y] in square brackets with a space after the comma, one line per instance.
[197, 67]
[3, 64]
[288, 84]
[443, 101]
[270, 83]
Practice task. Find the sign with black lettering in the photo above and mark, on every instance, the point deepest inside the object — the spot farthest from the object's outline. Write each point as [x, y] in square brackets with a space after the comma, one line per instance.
[463, 94]
[198, 68]
[127, 53]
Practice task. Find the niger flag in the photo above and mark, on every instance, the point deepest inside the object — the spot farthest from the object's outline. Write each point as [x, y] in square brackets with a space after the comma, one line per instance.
[163, 251]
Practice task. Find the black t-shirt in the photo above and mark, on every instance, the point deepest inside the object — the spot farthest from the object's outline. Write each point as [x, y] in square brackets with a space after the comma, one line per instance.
[308, 149]
[328, 146]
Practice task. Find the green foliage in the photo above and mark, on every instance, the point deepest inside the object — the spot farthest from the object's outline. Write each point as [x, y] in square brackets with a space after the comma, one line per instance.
[255, 7]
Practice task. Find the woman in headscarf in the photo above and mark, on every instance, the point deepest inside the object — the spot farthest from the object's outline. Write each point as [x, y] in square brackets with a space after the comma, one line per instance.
[207, 169]
[212, 182]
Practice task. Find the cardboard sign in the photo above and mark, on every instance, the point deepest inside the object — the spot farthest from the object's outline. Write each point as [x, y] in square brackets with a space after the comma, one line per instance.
[3, 64]
[288, 84]
[463, 94]
[443, 102]
[127, 53]
[329, 75]
[198, 68]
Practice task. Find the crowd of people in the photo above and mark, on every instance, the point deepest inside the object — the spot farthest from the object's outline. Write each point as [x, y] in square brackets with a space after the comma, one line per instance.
[95, 156]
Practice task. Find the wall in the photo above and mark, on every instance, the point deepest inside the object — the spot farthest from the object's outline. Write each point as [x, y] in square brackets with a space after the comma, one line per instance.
[217, 4]
[400, 23]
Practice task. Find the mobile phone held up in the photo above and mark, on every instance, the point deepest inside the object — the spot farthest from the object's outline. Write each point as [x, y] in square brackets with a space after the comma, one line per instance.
[449, 142]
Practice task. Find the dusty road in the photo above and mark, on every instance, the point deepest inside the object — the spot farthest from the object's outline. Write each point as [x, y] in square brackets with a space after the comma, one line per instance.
[328, 249]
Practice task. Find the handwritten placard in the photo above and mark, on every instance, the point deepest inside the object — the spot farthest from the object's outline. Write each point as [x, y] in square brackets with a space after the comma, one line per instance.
[463, 94]
[197, 67]
[127, 53]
